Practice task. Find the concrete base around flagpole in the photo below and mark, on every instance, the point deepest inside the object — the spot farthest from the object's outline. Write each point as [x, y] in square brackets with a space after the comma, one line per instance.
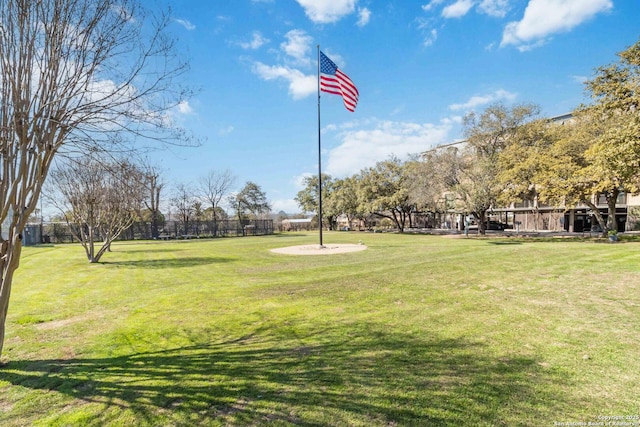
[319, 249]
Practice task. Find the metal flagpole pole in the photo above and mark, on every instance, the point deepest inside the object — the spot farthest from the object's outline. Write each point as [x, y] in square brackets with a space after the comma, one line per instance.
[319, 158]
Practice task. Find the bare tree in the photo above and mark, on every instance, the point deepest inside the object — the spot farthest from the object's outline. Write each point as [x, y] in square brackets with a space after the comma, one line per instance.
[75, 76]
[153, 185]
[98, 200]
[184, 201]
[214, 186]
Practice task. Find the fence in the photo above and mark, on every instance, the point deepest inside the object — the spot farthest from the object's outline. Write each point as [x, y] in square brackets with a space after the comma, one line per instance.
[58, 232]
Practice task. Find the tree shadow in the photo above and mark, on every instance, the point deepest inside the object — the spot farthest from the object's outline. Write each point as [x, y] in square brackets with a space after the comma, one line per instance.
[181, 262]
[503, 243]
[129, 250]
[371, 378]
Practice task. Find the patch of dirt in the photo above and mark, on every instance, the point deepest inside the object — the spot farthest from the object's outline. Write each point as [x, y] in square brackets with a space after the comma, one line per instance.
[54, 324]
[319, 250]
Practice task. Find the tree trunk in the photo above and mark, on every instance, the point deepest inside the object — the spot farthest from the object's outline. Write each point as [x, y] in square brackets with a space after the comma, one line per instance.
[398, 219]
[55, 58]
[598, 216]
[612, 198]
[482, 222]
[154, 224]
[9, 261]
[90, 246]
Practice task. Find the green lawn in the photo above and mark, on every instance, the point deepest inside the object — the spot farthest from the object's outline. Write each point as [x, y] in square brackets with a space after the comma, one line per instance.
[416, 330]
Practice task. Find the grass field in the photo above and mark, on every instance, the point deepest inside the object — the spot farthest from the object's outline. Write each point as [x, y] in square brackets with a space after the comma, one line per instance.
[416, 330]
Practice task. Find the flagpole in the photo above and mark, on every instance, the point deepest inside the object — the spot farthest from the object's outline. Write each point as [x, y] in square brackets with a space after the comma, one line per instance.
[319, 158]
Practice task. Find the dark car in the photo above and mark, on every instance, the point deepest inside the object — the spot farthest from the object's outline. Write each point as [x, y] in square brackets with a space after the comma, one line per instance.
[495, 225]
[491, 225]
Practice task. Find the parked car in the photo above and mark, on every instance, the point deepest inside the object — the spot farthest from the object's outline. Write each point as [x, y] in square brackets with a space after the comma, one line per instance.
[491, 225]
[495, 225]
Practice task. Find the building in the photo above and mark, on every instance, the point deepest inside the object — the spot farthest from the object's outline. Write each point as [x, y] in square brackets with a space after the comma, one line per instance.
[536, 216]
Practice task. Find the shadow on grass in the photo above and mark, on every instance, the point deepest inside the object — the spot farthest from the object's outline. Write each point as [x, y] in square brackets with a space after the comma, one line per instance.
[503, 243]
[130, 250]
[374, 378]
[181, 262]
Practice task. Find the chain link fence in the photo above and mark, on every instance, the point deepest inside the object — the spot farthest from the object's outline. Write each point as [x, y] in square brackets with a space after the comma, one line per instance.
[60, 232]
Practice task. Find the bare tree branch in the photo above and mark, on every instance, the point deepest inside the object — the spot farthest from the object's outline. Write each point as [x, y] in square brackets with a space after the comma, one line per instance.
[76, 77]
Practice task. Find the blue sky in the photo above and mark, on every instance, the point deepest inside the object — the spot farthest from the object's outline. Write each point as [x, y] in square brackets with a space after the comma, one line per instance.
[420, 66]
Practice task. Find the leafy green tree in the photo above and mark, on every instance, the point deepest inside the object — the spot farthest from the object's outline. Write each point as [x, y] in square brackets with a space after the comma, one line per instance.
[491, 131]
[147, 215]
[198, 211]
[478, 189]
[220, 214]
[251, 200]
[598, 151]
[488, 135]
[307, 198]
[344, 199]
[614, 128]
[522, 162]
[384, 192]
[566, 175]
[432, 178]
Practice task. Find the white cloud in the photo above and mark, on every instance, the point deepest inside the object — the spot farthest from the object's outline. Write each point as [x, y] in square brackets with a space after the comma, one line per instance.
[289, 206]
[298, 46]
[364, 148]
[430, 38]
[186, 24]
[256, 42]
[299, 180]
[496, 8]
[479, 100]
[531, 46]
[457, 9]
[543, 18]
[579, 79]
[124, 13]
[185, 108]
[398, 110]
[425, 26]
[327, 11]
[226, 131]
[364, 15]
[300, 85]
[433, 3]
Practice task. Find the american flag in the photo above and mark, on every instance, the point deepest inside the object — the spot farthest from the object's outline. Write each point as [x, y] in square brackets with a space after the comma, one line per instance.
[334, 81]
